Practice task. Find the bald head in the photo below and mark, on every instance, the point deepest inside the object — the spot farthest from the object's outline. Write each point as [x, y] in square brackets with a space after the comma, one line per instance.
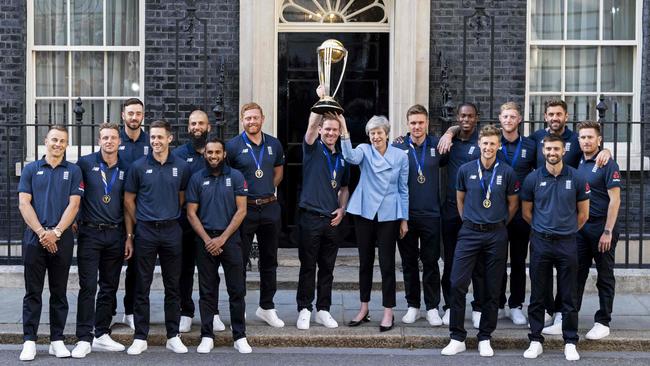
[198, 125]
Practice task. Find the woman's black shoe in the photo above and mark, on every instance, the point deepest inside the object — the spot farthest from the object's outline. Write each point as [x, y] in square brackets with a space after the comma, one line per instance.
[356, 323]
[386, 329]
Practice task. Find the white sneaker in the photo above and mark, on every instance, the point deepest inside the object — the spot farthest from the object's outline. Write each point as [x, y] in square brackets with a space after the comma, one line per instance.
[501, 314]
[599, 331]
[485, 349]
[476, 319]
[29, 351]
[81, 350]
[325, 318]
[58, 349]
[453, 348]
[433, 318]
[217, 324]
[518, 317]
[535, 349]
[185, 324]
[137, 347]
[445, 318]
[304, 317]
[106, 343]
[207, 344]
[115, 320]
[570, 352]
[270, 317]
[175, 345]
[128, 320]
[242, 346]
[548, 319]
[412, 314]
[556, 328]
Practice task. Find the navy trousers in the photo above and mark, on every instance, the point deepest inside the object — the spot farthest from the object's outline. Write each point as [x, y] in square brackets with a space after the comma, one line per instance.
[518, 237]
[188, 265]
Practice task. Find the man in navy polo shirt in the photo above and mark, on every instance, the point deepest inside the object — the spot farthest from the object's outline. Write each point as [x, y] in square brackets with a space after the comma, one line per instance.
[422, 241]
[324, 196]
[487, 201]
[519, 153]
[101, 242]
[555, 202]
[597, 239]
[153, 196]
[198, 127]
[260, 158]
[134, 144]
[216, 206]
[49, 193]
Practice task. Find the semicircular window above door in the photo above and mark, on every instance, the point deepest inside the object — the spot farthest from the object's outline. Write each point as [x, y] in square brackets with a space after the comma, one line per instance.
[333, 11]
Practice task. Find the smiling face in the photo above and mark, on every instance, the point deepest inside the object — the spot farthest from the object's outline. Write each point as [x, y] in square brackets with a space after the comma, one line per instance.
[55, 143]
[489, 146]
[378, 137]
[109, 140]
[553, 152]
[252, 121]
[198, 124]
[589, 140]
[418, 124]
[510, 120]
[556, 117]
[467, 119]
[133, 115]
[159, 139]
[329, 132]
[214, 154]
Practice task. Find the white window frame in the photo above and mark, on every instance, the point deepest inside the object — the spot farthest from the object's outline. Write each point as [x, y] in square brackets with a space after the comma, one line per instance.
[72, 151]
[635, 148]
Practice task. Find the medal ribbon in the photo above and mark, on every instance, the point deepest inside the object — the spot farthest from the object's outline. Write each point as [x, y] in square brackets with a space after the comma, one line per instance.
[480, 177]
[514, 157]
[107, 186]
[258, 162]
[420, 163]
[329, 160]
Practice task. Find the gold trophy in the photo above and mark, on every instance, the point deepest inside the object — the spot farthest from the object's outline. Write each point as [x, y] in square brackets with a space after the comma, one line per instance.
[329, 52]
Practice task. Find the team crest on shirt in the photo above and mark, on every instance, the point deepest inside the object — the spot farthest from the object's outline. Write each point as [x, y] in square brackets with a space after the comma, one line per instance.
[148, 171]
[568, 146]
[270, 150]
[66, 175]
[433, 152]
[523, 153]
[121, 175]
[174, 172]
[342, 162]
[146, 150]
[594, 169]
[121, 148]
[189, 160]
[567, 184]
[471, 150]
[228, 182]
[95, 169]
[499, 180]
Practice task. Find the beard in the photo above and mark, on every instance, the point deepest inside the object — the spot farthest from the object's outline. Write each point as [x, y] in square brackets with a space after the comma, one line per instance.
[198, 142]
[217, 169]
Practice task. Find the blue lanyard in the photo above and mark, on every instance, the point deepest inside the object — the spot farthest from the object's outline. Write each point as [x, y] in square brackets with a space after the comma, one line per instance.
[420, 163]
[108, 186]
[480, 177]
[514, 157]
[329, 160]
[258, 162]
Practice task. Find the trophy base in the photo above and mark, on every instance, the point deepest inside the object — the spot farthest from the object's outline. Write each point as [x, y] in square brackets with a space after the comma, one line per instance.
[327, 106]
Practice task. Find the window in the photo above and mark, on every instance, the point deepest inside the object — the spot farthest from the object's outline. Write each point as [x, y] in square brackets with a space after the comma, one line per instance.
[581, 49]
[92, 49]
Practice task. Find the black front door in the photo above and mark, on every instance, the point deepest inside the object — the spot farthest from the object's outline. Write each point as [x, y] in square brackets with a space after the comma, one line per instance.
[363, 93]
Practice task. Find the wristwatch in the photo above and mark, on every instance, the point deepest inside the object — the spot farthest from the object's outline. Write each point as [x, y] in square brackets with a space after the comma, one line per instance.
[130, 236]
[607, 232]
[57, 232]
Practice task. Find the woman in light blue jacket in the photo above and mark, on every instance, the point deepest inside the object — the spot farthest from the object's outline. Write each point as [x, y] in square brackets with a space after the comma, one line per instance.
[380, 204]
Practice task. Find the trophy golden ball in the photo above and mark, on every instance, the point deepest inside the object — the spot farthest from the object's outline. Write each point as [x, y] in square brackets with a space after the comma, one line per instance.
[338, 51]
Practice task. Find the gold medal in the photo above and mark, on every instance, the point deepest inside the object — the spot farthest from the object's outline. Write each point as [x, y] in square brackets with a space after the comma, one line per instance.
[259, 173]
[421, 179]
[106, 199]
[487, 203]
[333, 183]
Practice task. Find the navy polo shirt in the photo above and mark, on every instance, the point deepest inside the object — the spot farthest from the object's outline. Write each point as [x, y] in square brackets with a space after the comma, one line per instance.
[156, 186]
[526, 160]
[461, 152]
[93, 208]
[240, 157]
[555, 199]
[503, 185]
[424, 198]
[317, 193]
[130, 151]
[571, 145]
[51, 188]
[216, 196]
[600, 180]
[193, 158]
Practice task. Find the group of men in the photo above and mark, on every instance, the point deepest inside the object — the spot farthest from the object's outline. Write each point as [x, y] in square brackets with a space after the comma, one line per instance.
[202, 203]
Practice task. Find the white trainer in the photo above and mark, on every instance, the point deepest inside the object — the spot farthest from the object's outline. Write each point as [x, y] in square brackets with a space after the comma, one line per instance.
[29, 351]
[137, 347]
[534, 350]
[58, 349]
[128, 320]
[548, 319]
[518, 317]
[185, 324]
[556, 328]
[270, 316]
[175, 345]
[501, 314]
[434, 318]
[304, 317]
[570, 352]
[476, 319]
[599, 331]
[485, 349]
[412, 314]
[217, 324]
[324, 318]
[454, 347]
[115, 320]
[81, 350]
[106, 343]
[207, 344]
[242, 346]
[445, 318]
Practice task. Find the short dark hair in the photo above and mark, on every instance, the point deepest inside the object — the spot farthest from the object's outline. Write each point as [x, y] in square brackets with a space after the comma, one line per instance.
[57, 128]
[215, 139]
[467, 104]
[553, 138]
[132, 101]
[161, 123]
[110, 126]
[489, 130]
[589, 124]
[555, 103]
[417, 109]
